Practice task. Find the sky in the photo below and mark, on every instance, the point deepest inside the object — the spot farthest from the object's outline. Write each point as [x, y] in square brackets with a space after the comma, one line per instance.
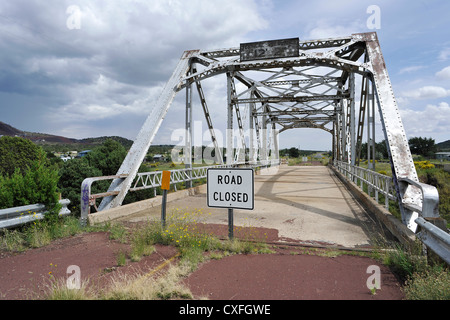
[82, 69]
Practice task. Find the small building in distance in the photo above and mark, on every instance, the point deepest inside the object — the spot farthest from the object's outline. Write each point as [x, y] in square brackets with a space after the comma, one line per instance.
[443, 155]
[158, 157]
[81, 154]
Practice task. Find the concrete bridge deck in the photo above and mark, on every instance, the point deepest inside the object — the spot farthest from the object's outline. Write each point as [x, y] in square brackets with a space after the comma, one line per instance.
[304, 203]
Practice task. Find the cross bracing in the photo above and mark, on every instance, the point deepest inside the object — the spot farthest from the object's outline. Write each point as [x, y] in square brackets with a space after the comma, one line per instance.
[314, 86]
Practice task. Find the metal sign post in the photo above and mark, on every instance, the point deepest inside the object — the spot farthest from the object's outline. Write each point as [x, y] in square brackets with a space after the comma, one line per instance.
[165, 185]
[230, 224]
[231, 188]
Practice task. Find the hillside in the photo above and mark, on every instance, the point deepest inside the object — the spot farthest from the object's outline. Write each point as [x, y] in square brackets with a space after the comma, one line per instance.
[443, 146]
[7, 130]
[58, 142]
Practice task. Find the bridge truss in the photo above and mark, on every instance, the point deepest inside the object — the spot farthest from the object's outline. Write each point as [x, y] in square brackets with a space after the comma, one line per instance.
[275, 86]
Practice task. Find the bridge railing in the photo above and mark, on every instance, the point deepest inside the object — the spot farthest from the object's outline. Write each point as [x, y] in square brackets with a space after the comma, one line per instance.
[434, 238]
[376, 183]
[149, 180]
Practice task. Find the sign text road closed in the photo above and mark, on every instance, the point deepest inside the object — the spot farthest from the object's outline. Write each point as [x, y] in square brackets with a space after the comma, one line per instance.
[230, 188]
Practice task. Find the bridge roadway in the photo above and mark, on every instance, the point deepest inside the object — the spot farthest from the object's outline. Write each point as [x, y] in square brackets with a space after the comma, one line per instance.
[307, 204]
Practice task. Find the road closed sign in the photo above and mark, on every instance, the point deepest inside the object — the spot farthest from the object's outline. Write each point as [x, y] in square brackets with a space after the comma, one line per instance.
[230, 188]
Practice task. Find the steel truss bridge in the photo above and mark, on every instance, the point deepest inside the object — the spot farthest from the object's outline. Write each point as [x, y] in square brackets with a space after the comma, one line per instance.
[275, 86]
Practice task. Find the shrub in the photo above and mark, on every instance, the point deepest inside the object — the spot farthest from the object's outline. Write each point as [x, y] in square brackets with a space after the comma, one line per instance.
[433, 284]
[72, 174]
[16, 153]
[423, 164]
[38, 183]
[107, 158]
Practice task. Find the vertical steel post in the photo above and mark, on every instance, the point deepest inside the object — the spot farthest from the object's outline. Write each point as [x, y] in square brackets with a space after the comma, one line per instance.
[251, 157]
[230, 153]
[276, 151]
[264, 151]
[371, 127]
[352, 119]
[188, 133]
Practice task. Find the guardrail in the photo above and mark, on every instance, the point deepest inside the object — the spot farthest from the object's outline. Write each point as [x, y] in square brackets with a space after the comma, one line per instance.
[16, 216]
[148, 180]
[434, 238]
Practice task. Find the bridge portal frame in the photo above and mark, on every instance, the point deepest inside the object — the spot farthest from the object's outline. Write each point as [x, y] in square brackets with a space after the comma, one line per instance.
[314, 88]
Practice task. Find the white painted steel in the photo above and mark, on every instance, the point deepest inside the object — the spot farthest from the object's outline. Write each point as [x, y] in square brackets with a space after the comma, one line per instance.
[145, 137]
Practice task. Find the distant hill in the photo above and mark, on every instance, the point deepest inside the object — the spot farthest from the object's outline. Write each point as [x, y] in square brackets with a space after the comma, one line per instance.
[7, 130]
[48, 139]
[443, 146]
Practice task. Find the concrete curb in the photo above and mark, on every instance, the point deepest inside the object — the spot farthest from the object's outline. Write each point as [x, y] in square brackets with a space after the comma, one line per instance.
[396, 227]
[128, 209]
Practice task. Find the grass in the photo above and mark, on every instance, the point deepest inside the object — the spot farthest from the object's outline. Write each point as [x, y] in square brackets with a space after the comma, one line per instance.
[431, 284]
[421, 280]
[139, 286]
[428, 174]
[38, 233]
[182, 232]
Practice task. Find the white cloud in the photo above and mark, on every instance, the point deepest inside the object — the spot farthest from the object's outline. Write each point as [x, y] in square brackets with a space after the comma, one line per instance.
[326, 29]
[434, 120]
[115, 64]
[410, 69]
[444, 74]
[427, 92]
[444, 54]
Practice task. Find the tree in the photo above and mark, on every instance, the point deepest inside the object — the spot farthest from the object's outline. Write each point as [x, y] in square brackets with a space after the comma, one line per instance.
[422, 146]
[17, 153]
[71, 175]
[38, 183]
[381, 151]
[102, 161]
[294, 152]
[107, 158]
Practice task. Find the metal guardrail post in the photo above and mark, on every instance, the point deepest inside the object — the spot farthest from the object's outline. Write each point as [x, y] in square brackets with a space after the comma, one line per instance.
[88, 200]
[430, 198]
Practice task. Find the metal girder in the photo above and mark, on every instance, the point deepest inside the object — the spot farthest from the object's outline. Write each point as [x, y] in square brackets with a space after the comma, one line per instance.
[139, 149]
[278, 99]
[290, 112]
[398, 147]
[218, 152]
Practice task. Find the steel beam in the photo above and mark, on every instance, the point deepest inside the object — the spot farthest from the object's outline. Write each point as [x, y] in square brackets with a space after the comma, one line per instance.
[400, 154]
[138, 151]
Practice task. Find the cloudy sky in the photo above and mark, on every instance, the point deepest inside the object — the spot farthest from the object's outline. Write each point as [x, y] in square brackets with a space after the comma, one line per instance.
[82, 68]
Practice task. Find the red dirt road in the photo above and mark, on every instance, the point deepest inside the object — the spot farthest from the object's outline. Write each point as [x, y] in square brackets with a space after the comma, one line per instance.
[288, 274]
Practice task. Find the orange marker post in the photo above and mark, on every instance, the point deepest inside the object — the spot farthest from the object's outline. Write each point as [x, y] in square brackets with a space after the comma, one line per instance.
[165, 185]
